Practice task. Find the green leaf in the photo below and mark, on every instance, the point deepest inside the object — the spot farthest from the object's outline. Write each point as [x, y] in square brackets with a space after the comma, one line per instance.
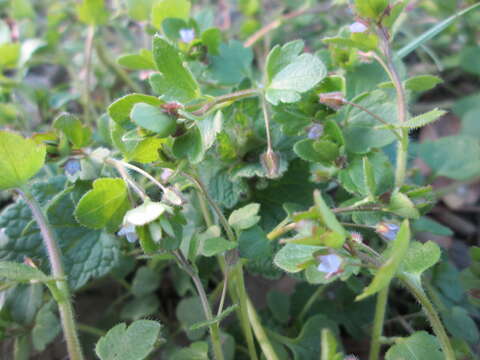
[10, 55]
[244, 217]
[232, 64]
[140, 307]
[329, 218]
[426, 224]
[145, 282]
[253, 244]
[371, 8]
[422, 120]
[466, 63]
[139, 10]
[120, 110]
[20, 272]
[456, 157]
[422, 83]
[216, 319]
[434, 31]
[20, 159]
[175, 81]
[401, 204]
[369, 178]
[216, 245]
[420, 345]
[141, 61]
[387, 271]
[212, 38]
[209, 128]
[189, 146]
[47, 327]
[361, 132]
[78, 134]
[104, 205]
[86, 253]
[146, 151]
[189, 311]
[420, 257]
[291, 74]
[135, 342]
[92, 12]
[154, 119]
[292, 256]
[197, 351]
[145, 213]
[460, 324]
[329, 346]
[279, 305]
[353, 177]
[163, 9]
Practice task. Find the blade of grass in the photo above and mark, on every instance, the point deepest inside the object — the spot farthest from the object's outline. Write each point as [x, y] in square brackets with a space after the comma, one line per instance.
[434, 31]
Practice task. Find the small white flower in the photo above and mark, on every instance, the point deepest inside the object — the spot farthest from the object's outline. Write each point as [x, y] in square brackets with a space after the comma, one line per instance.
[187, 35]
[165, 175]
[329, 264]
[358, 27]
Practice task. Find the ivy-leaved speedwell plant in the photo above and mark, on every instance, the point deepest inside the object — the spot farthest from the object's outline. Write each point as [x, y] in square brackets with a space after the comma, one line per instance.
[231, 163]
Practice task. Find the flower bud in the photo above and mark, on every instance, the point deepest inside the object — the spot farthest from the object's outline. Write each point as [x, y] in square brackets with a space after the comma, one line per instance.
[271, 163]
[356, 236]
[387, 230]
[335, 99]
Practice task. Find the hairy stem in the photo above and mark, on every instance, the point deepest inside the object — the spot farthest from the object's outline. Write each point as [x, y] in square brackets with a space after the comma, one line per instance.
[65, 307]
[214, 328]
[415, 287]
[402, 149]
[380, 310]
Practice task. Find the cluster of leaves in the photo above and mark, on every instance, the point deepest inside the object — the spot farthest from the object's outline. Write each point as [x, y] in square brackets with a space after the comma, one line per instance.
[215, 160]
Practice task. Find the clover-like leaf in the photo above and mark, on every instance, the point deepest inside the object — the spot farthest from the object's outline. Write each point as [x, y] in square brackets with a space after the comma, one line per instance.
[420, 257]
[154, 119]
[20, 272]
[133, 343]
[104, 205]
[175, 81]
[291, 74]
[245, 217]
[120, 110]
[20, 159]
[420, 345]
[78, 134]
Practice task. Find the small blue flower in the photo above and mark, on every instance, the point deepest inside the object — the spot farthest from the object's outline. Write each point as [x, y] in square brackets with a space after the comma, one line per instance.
[329, 264]
[387, 230]
[187, 35]
[73, 166]
[129, 232]
[315, 131]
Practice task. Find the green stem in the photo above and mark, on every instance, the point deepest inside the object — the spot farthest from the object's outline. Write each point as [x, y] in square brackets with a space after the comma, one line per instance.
[415, 287]
[114, 67]
[54, 255]
[260, 334]
[207, 106]
[214, 328]
[380, 309]
[237, 285]
[402, 150]
[314, 297]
